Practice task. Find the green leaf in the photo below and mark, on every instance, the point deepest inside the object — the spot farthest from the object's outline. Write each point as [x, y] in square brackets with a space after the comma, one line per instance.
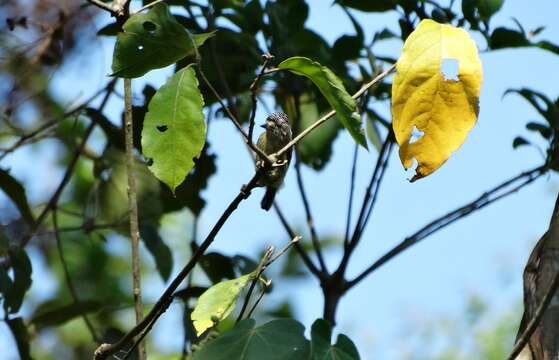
[519, 141]
[158, 249]
[333, 90]
[19, 332]
[535, 98]
[369, 5]
[151, 41]
[189, 193]
[16, 193]
[372, 133]
[52, 313]
[174, 130]
[488, 8]
[504, 38]
[216, 303]
[281, 339]
[343, 349]
[217, 267]
[21, 281]
[315, 149]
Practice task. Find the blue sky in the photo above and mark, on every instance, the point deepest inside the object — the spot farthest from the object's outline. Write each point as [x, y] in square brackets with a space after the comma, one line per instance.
[483, 254]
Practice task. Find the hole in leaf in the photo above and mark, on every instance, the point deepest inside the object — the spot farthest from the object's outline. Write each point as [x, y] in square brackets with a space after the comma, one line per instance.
[162, 128]
[416, 134]
[411, 171]
[449, 69]
[149, 162]
[149, 27]
[140, 47]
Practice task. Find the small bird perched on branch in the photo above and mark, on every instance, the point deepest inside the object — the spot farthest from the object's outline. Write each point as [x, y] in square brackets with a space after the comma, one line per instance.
[276, 136]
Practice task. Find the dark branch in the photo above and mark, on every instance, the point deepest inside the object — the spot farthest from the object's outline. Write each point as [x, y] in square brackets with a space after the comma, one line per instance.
[254, 90]
[506, 188]
[166, 298]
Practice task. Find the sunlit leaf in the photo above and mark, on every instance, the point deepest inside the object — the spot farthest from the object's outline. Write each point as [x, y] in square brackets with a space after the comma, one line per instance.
[281, 339]
[321, 349]
[174, 130]
[333, 90]
[216, 303]
[150, 41]
[444, 110]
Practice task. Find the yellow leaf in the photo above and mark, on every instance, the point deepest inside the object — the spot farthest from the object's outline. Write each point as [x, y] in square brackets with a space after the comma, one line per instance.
[443, 109]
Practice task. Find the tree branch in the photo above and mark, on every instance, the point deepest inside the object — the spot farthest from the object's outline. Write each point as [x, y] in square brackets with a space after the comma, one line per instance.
[53, 201]
[506, 188]
[253, 90]
[323, 119]
[105, 350]
[67, 276]
[133, 209]
[351, 191]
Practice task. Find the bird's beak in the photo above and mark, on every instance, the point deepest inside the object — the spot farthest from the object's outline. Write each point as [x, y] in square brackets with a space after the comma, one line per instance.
[264, 126]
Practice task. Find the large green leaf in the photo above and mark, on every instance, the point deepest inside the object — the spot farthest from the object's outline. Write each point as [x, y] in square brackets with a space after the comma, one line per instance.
[333, 90]
[315, 149]
[216, 303]
[150, 41]
[321, 349]
[159, 250]
[16, 193]
[52, 313]
[174, 130]
[281, 339]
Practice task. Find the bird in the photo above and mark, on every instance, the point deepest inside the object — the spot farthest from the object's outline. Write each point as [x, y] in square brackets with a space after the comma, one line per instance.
[277, 134]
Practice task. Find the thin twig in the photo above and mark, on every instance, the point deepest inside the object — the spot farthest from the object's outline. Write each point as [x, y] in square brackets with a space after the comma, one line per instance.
[147, 6]
[68, 277]
[265, 287]
[253, 90]
[308, 213]
[53, 201]
[485, 199]
[533, 324]
[351, 191]
[323, 119]
[105, 350]
[258, 272]
[133, 209]
[304, 256]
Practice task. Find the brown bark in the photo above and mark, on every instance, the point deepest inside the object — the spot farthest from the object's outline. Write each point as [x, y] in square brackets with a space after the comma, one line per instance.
[539, 274]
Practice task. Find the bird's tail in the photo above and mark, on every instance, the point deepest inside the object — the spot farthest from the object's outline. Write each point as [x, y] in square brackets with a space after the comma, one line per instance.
[268, 198]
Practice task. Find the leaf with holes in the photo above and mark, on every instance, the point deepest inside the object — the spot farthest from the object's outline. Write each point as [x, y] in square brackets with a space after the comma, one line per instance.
[443, 109]
[281, 339]
[152, 41]
[333, 90]
[216, 303]
[174, 130]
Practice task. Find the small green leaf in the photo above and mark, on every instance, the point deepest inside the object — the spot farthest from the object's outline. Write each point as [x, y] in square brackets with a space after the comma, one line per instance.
[13, 189]
[216, 303]
[519, 141]
[152, 41]
[488, 8]
[158, 249]
[333, 90]
[281, 339]
[321, 334]
[21, 281]
[504, 38]
[52, 313]
[174, 130]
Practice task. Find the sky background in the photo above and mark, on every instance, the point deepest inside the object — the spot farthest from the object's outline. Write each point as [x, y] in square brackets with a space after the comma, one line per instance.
[482, 255]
